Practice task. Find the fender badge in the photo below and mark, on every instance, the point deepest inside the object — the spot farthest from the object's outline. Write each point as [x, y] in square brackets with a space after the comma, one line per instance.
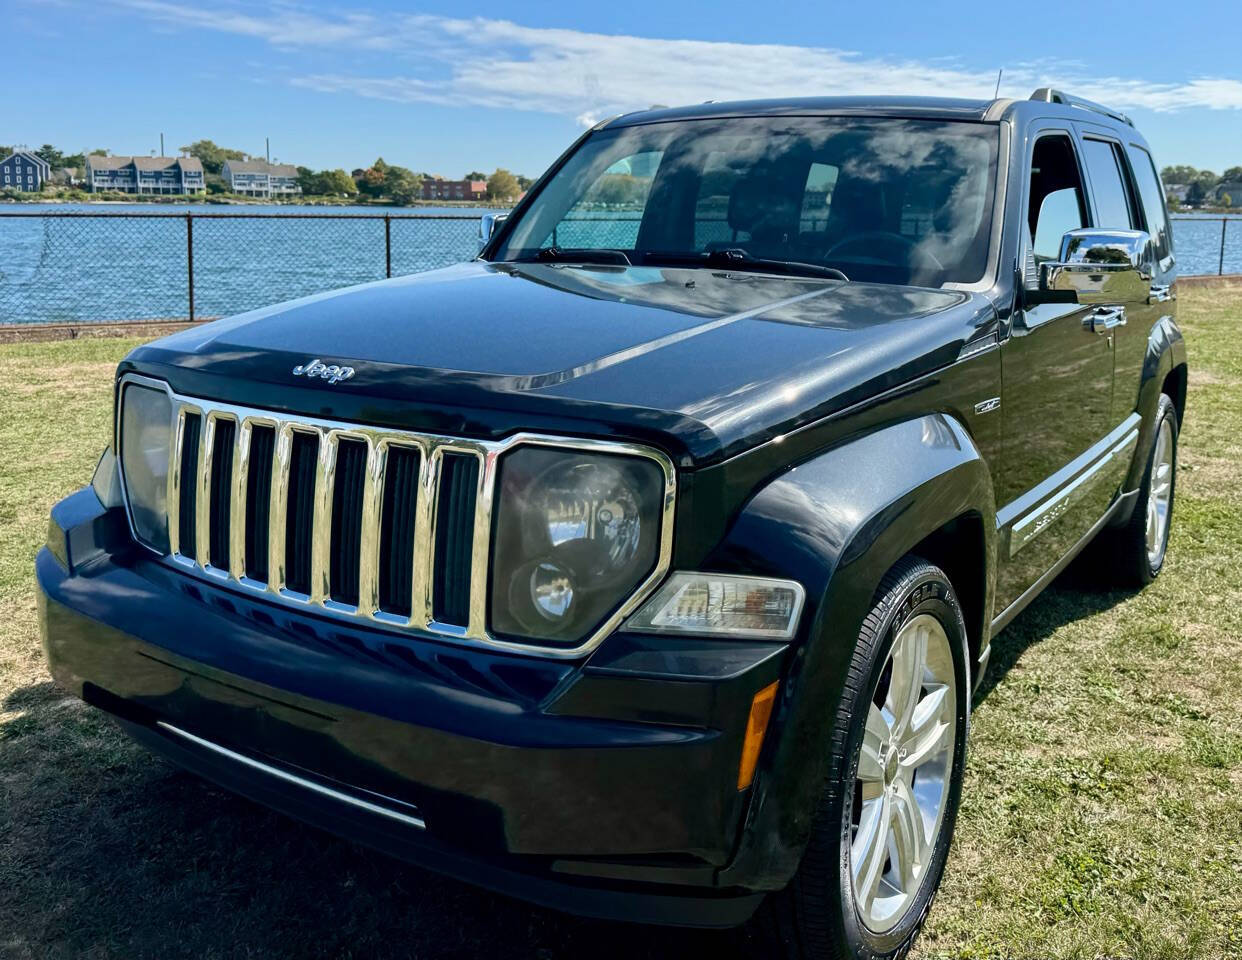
[987, 406]
[325, 371]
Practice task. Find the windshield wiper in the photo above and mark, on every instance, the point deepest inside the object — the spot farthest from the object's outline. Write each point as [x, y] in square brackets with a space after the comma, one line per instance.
[743, 259]
[581, 255]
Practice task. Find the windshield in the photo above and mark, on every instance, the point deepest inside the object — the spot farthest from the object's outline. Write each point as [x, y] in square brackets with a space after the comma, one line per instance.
[882, 200]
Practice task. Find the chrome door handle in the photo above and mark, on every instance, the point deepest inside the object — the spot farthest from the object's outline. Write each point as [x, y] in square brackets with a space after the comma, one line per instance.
[1104, 319]
[1160, 293]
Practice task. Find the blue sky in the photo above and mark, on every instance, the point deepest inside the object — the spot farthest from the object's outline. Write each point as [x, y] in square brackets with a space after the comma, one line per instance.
[448, 88]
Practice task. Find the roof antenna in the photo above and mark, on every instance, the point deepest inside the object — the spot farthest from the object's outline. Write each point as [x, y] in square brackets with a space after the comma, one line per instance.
[999, 73]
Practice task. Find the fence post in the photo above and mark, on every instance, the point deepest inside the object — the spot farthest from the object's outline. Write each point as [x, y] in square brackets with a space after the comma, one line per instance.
[1224, 223]
[189, 260]
[387, 245]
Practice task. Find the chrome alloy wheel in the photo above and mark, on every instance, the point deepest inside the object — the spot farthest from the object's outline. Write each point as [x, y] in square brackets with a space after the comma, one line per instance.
[1160, 495]
[904, 770]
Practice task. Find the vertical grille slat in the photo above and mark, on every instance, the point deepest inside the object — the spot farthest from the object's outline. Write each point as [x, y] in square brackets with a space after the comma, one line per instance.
[300, 519]
[259, 501]
[454, 538]
[187, 503]
[346, 551]
[397, 512]
[221, 494]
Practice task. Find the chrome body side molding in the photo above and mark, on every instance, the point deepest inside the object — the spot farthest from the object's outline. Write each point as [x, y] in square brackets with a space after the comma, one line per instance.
[1035, 511]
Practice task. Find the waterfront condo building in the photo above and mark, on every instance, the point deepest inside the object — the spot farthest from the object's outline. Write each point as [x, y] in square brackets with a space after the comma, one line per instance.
[258, 178]
[151, 175]
[437, 189]
[24, 170]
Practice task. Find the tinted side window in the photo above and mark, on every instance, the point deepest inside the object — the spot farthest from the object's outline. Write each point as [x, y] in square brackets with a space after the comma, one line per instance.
[1107, 185]
[1056, 202]
[1153, 200]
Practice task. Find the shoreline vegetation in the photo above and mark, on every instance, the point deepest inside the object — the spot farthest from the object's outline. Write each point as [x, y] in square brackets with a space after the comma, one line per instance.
[54, 197]
[381, 183]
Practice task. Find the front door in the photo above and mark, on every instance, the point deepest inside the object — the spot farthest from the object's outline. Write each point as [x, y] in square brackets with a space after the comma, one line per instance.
[1057, 390]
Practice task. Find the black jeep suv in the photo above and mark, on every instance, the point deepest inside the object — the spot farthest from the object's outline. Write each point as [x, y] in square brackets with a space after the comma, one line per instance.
[645, 566]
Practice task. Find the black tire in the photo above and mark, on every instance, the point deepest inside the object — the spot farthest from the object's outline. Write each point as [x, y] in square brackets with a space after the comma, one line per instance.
[815, 917]
[1127, 546]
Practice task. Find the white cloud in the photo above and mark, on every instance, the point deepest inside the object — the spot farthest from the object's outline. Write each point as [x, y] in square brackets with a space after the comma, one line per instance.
[498, 63]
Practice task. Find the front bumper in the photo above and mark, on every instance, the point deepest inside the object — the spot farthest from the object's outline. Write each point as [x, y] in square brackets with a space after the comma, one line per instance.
[606, 788]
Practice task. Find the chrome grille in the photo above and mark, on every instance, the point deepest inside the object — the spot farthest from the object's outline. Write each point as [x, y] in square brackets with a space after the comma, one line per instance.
[220, 495]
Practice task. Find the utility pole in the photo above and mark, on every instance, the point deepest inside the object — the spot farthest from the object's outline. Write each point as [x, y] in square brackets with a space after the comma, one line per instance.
[268, 148]
[161, 144]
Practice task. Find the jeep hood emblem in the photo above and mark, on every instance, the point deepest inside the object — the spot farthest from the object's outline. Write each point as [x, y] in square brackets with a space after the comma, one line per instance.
[326, 371]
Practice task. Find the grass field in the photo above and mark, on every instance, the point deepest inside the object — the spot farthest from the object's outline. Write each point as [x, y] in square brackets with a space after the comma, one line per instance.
[1103, 802]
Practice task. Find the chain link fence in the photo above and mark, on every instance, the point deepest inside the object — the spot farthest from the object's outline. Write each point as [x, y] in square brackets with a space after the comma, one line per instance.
[82, 268]
[1207, 244]
[100, 267]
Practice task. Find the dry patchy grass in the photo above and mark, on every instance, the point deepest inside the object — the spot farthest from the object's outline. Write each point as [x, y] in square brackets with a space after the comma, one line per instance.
[1103, 804]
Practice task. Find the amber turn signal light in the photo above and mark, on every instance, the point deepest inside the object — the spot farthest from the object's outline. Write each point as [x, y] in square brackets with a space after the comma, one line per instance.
[756, 727]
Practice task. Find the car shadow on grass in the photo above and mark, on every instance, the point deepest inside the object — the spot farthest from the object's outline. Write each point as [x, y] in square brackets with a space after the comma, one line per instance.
[107, 851]
[1075, 595]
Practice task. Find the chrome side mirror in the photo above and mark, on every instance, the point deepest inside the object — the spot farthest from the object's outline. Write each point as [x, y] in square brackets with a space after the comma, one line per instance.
[489, 223]
[1095, 266]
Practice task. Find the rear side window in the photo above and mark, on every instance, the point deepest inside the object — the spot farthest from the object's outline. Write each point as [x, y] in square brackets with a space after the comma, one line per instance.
[1108, 185]
[1153, 200]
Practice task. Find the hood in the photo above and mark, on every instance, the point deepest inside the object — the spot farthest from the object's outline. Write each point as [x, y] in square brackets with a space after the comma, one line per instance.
[704, 362]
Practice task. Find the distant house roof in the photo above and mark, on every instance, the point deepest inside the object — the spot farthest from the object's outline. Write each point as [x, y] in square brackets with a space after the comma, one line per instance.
[154, 163]
[100, 162]
[30, 157]
[262, 166]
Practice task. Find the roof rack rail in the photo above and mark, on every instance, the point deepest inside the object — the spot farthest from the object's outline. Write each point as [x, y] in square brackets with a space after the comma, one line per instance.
[1049, 95]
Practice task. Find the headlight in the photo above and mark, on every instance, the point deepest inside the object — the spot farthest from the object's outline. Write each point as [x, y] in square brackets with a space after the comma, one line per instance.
[146, 428]
[576, 534]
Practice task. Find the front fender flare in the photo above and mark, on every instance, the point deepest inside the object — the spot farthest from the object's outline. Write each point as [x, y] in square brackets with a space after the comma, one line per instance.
[837, 524]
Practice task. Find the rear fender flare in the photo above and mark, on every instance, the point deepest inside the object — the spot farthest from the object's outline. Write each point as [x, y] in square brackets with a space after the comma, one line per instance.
[1166, 350]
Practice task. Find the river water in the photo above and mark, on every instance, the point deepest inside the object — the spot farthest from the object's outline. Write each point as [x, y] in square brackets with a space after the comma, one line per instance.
[117, 267]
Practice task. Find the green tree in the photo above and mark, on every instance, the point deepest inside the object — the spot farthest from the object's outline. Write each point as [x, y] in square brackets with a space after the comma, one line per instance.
[1226, 200]
[1179, 174]
[372, 181]
[1196, 194]
[524, 183]
[211, 155]
[475, 175]
[1232, 175]
[336, 182]
[402, 186]
[502, 185]
[308, 180]
[52, 156]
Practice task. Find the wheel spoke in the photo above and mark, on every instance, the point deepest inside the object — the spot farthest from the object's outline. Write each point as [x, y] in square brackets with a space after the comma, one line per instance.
[876, 734]
[909, 836]
[870, 848]
[909, 660]
[930, 728]
[1160, 483]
